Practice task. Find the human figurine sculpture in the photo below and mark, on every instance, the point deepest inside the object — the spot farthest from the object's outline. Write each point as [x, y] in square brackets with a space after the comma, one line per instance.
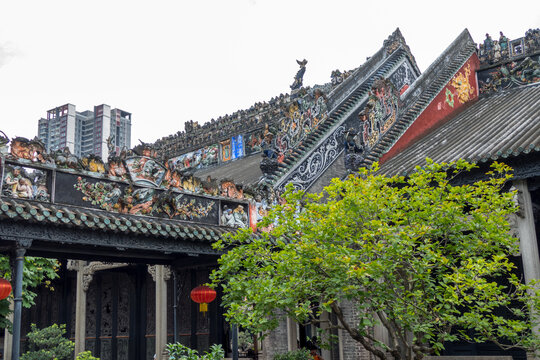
[496, 51]
[488, 43]
[503, 42]
[23, 188]
[227, 217]
[240, 217]
[488, 48]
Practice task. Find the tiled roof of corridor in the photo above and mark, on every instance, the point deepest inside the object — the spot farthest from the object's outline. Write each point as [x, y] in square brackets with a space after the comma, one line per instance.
[89, 219]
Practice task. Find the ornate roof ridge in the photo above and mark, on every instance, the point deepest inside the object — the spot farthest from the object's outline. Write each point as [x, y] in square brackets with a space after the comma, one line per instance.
[128, 184]
[492, 53]
[383, 63]
[253, 118]
[420, 94]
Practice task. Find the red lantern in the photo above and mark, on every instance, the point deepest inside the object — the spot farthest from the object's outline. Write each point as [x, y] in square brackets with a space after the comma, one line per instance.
[203, 295]
[5, 288]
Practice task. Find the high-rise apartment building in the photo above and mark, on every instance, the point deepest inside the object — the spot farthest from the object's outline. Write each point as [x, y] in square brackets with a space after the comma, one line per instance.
[86, 132]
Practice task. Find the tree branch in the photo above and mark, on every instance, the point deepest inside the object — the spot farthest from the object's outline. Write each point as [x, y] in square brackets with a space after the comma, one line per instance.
[355, 334]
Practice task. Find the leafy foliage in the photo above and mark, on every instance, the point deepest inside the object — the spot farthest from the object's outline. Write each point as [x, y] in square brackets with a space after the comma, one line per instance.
[86, 355]
[427, 260]
[245, 340]
[178, 351]
[37, 271]
[300, 354]
[48, 344]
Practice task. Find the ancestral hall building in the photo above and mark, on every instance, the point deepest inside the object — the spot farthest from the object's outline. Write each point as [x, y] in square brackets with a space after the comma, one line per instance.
[134, 233]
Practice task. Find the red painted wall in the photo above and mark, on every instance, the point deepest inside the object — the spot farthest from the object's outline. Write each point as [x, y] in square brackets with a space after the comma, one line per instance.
[461, 89]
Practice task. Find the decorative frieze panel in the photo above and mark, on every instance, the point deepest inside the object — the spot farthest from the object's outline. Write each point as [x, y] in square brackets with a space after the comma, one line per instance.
[121, 198]
[136, 167]
[376, 119]
[310, 169]
[403, 77]
[203, 157]
[302, 117]
[141, 186]
[379, 114]
[254, 141]
[26, 182]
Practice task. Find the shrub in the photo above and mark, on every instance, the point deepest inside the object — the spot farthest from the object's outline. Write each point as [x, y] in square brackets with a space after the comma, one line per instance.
[86, 355]
[300, 354]
[178, 351]
[48, 344]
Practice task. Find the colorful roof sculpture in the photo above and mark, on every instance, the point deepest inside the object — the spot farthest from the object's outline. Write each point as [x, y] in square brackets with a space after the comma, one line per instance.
[132, 192]
[493, 52]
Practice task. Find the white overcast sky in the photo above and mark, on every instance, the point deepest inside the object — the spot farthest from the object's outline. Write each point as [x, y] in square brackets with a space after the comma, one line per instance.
[167, 62]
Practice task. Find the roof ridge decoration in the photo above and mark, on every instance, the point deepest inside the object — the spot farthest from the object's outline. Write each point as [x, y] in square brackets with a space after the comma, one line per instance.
[509, 75]
[300, 115]
[127, 184]
[197, 137]
[394, 42]
[420, 94]
[299, 77]
[323, 147]
[493, 52]
[377, 117]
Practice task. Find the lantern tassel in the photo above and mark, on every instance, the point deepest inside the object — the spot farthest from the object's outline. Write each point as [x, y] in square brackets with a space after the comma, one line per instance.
[203, 307]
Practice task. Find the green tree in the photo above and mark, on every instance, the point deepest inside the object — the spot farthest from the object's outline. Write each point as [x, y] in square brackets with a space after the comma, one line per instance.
[48, 344]
[37, 271]
[424, 258]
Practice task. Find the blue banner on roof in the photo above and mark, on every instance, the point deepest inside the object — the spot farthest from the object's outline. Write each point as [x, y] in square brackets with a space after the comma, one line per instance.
[237, 146]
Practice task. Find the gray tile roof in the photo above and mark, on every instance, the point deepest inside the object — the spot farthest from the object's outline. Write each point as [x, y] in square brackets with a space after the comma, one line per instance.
[243, 171]
[89, 219]
[496, 127]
